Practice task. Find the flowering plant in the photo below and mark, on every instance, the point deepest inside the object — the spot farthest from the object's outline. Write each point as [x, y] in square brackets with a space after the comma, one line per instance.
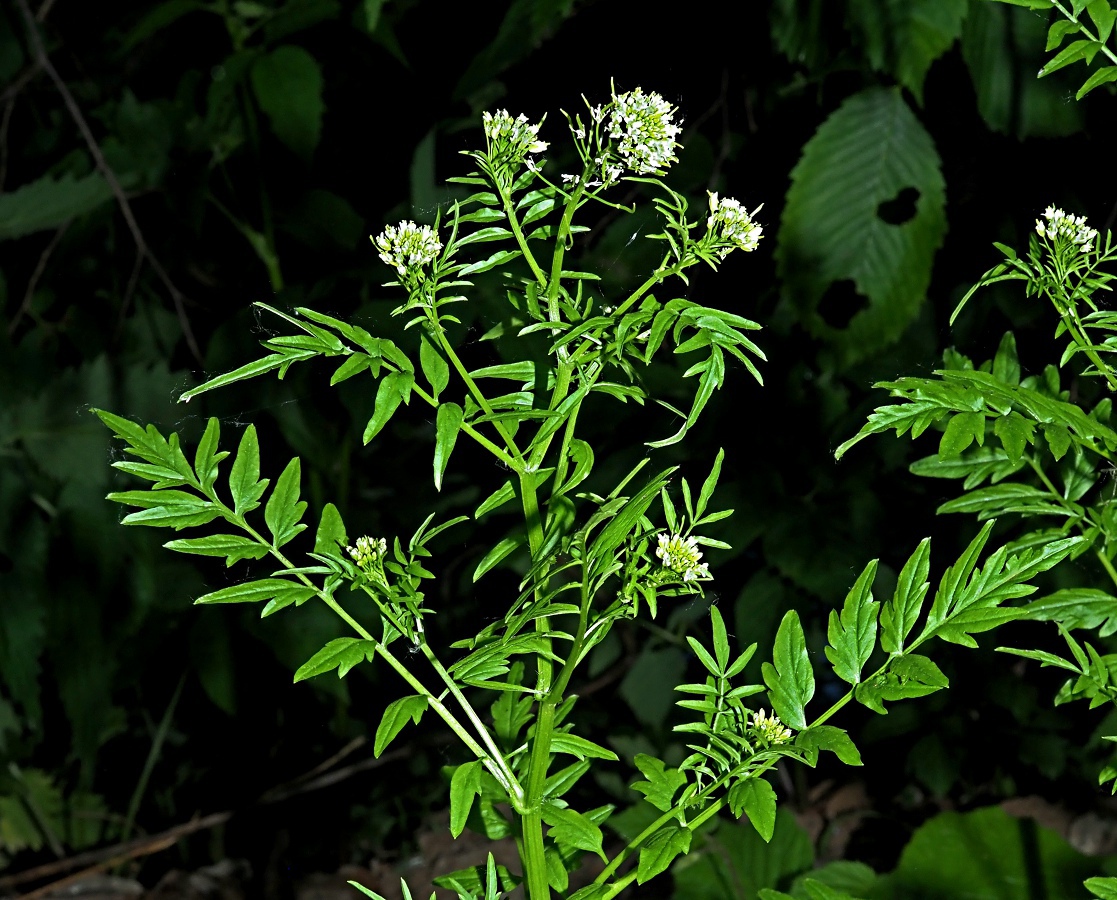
[588, 556]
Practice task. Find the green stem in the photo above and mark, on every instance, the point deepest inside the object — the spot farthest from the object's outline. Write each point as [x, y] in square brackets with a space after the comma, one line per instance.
[478, 395]
[385, 654]
[514, 224]
[471, 714]
[534, 859]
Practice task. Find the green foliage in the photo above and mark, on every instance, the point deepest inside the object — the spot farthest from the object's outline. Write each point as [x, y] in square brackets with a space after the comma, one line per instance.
[832, 231]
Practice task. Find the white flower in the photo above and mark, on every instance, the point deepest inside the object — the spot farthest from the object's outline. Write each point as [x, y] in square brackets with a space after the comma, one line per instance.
[681, 556]
[644, 131]
[769, 728]
[511, 140]
[368, 551]
[732, 224]
[1067, 227]
[407, 246]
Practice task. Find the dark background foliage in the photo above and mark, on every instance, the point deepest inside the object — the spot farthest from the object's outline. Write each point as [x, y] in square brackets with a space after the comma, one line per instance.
[257, 145]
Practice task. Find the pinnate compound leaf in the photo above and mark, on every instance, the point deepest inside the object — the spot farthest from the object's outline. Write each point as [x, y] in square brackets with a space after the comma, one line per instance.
[660, 850]
[789, 677]
[395, 717]
[341, 654]
[245, 483]
[465, 785]
[868, 152]
[233, 547]
[662, 784]
[288, 85]
[756, 798]
[573, 829]
[284, 509]
[448, 422]
[853, 634]
[899, 615]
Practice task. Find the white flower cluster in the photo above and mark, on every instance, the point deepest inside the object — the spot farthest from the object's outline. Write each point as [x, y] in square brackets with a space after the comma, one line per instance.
[511, 139]
[407, 246]
[681, 556]
[733, 224]
[368, 551]
[769, 728]
[1070, 228]
[642, 126]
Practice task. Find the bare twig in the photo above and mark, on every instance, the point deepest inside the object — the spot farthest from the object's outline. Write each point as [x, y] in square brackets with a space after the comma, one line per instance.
[33, 282]
[40, 54]
[107, 857]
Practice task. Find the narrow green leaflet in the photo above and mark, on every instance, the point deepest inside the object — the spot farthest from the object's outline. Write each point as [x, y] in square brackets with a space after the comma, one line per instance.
[434, 366]
[899, 615]
[497, 555]
[1087, 608]
[660, 850]
[391, 391]
[232, 546]
[465, 784]
[284, 509]
[260, 590]
[853, 634]
[166, 509]
[448, 423]
[244, 478]
[341, 654]
[756, 798]
[331, 532]
[395, 717]
[564, 742]
[207, 457]
[789, 677]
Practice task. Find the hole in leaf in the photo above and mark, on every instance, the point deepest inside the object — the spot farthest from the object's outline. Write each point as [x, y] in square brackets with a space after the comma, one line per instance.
[899, 209]
[840, 304]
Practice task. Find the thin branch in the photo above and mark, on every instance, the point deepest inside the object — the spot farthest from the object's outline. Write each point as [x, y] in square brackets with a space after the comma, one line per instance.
[33, 282]
[40, 54]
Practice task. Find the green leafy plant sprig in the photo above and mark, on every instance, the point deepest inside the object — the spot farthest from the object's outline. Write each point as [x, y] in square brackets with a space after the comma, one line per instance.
[1090, 22]
[593, 559]
[1026, 448]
